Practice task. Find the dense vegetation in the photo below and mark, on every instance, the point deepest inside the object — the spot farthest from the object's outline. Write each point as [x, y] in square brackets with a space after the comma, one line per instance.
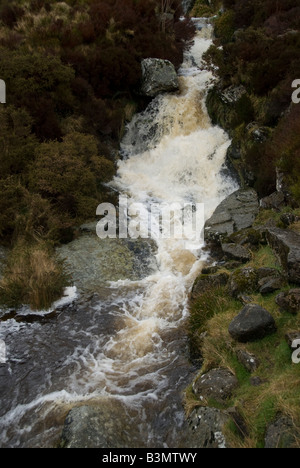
[258, 46]
[72, 71]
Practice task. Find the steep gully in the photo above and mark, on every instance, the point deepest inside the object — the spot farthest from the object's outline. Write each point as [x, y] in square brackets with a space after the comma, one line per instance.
[124, 339]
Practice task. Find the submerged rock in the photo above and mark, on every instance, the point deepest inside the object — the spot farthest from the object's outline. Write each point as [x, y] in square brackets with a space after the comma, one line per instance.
[158, 76]
[101, 426]
[252, 323]
[236, 212]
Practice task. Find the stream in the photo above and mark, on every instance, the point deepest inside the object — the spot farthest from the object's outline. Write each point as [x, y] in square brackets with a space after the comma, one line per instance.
[121, 336]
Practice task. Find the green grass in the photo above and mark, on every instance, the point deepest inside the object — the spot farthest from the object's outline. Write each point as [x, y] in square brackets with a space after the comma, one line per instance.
[279, 392]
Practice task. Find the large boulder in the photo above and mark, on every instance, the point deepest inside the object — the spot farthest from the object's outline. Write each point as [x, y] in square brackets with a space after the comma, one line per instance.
[106, 425]
[158, 76]
[286, 245]
[252, 323]
[217, 384]
[236, 212]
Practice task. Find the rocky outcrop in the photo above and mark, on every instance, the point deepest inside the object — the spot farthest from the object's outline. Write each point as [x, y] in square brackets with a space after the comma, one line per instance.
[289, 301]
[252, 323]
[158, 76]
[236, 252]
[281, 434]
[236, 212]
[286, 245]
[217, 384]
[206, 282]
[243, 281]
[233, 94]
[206, 429]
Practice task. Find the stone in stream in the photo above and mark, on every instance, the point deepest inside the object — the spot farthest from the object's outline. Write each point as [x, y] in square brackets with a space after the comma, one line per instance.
[252, 323]
[158, 76]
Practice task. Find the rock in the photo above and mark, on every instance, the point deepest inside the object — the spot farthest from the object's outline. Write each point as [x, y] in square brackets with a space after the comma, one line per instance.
[234, 153]
[239, 421]
[264, 273]
[236, 252]
[281, 434]
[286, 245]
[206, 282]
[106, 425]
[249, 237]
[291, 337]
[256, 381]
[243, 280]
[236, 212]
[233, 94]
[206, 429]
[252, 323]
[276, 201]
[288, 219]
[289, 301]
[217, 384]
[270, 285]
[158, 76]
[248, 360]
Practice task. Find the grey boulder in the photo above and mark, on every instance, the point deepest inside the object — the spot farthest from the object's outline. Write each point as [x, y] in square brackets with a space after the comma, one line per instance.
[217, 384]
[236, 212]
[252, 323]
[286, 245]
[158, 76]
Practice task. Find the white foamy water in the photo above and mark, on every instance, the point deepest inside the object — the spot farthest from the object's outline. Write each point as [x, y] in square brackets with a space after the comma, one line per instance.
[128, 343]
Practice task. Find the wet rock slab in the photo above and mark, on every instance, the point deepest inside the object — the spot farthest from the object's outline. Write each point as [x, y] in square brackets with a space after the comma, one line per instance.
[105, 425]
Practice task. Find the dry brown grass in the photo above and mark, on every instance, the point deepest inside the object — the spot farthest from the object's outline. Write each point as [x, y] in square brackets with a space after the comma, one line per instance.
[33, 277]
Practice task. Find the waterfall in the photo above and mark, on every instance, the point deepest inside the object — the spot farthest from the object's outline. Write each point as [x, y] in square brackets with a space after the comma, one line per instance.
[128, 343]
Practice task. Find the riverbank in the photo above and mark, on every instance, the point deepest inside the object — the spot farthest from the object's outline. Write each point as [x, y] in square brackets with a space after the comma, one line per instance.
[244, 307]
[243, 321]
